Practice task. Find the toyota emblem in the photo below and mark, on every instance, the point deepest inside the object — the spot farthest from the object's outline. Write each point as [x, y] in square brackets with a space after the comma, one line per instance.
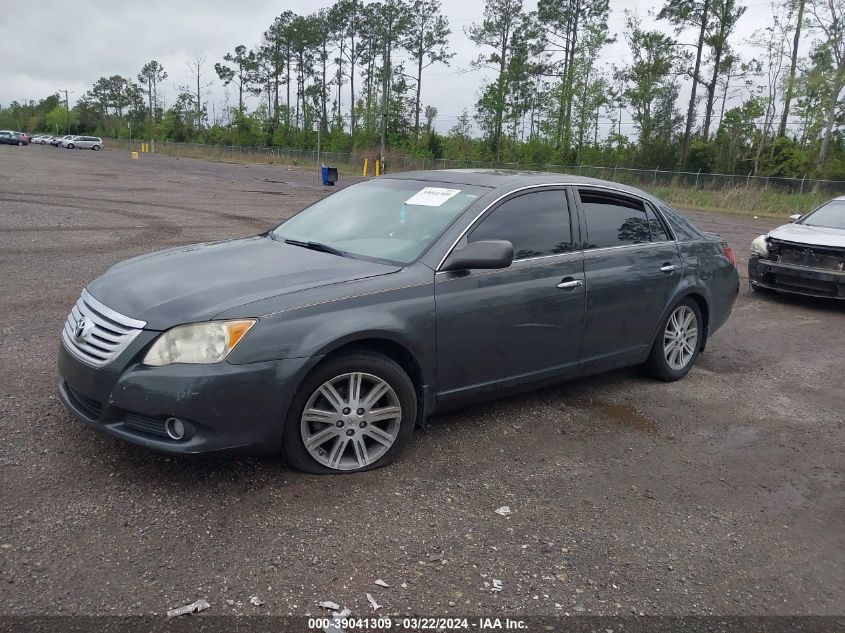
[80, 330]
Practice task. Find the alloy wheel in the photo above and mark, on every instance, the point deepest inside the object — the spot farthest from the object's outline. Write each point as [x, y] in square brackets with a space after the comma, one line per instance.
[351, 421]
[680, 337]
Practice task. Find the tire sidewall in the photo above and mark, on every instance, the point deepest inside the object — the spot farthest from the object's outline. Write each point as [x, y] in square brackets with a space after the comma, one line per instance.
[657, 360]
[383, 367]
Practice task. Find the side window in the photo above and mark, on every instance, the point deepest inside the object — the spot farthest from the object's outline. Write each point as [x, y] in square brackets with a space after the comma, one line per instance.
[613, 220]
[683, 228]
[658, 230]
[537, 224]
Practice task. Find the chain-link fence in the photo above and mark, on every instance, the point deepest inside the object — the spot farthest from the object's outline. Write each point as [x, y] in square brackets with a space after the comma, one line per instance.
[353, 163]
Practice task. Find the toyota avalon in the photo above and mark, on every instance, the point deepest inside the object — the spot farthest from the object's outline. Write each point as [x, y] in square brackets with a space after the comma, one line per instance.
[330, 337]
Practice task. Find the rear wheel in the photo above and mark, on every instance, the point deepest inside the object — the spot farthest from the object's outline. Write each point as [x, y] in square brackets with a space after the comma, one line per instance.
[678, 342]
[352, 413]
[70, 145]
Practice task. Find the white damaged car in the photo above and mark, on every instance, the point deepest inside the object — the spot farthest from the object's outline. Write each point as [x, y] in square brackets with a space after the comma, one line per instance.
[806, 256]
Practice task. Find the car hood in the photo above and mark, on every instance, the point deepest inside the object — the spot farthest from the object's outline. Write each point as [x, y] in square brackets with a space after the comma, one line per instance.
[815, 235]
[198, 282]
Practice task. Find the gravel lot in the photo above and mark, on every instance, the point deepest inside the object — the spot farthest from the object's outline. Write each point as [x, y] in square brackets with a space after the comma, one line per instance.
[720, 494]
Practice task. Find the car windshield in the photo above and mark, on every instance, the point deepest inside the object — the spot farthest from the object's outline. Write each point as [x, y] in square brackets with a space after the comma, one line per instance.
[830, 215]
[388, 219]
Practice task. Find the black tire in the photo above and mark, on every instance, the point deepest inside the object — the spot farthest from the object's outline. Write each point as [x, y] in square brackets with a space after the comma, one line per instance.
[293, 447]
[70, 145]
[96, 148]
[657, 364]
[20, 143]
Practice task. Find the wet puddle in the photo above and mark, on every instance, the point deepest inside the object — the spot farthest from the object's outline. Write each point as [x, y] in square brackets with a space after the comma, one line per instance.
[621, 414]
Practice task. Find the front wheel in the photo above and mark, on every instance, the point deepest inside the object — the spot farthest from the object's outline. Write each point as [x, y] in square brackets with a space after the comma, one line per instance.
[678, 342]
[352, 413]
[20, 143]
[70, 145]
[96, 148]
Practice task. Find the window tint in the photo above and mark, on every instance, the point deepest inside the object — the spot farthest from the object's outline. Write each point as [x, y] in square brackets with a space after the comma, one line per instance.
[614, 220]
[684, 229]
[658, 231]
[537, 224]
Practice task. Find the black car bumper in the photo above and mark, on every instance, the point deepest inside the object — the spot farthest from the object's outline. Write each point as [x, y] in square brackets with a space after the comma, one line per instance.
[224, 407]
[802, 280]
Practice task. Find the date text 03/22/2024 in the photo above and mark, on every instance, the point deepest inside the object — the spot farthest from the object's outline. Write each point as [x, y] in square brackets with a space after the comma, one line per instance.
[417, 623]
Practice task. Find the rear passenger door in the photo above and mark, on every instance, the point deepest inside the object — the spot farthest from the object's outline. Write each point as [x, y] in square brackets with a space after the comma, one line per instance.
[632, 267]
[518, 324]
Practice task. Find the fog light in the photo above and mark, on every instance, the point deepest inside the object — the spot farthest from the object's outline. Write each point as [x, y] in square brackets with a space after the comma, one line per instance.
[174, 428]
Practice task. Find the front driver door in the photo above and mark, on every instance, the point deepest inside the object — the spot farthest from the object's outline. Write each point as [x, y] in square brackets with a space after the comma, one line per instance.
[518, 324]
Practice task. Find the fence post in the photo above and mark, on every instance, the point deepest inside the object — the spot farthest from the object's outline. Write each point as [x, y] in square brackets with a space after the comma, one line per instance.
[655, 175]
[748, 179]
[696, 177]
[614, 170]
[802, 183]
[580, 165]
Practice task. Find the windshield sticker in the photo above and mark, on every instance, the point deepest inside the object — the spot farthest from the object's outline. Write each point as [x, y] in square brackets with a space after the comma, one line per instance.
[432, 196]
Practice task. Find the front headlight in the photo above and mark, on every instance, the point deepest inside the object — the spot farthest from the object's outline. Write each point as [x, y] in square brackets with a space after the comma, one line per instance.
[759, 246]
[201, 343]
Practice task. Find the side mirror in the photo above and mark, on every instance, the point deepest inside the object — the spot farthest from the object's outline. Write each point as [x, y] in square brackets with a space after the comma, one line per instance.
[795, 217]
[486, 254]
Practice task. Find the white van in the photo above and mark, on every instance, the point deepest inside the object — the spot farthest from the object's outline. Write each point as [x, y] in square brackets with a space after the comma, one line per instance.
[83, 142]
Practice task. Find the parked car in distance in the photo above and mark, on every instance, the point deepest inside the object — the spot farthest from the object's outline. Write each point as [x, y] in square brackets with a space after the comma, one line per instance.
[806, 256]
[83, 142]
[8, 137]
[26, 137]
[42, 139]
[58, 140]
[331, 336]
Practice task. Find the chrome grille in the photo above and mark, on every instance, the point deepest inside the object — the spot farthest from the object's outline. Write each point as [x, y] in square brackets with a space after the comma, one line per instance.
[95, 333]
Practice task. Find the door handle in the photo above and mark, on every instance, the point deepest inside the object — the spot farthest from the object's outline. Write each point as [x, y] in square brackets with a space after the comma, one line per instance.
[568, 283]
[667, 268]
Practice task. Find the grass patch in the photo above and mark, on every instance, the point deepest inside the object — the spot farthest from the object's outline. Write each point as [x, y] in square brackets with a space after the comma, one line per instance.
[739, 200]
[744, 201]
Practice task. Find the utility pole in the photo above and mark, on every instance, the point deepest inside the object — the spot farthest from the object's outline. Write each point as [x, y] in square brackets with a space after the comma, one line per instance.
[67, 112]
[383, 131]
[316, 128]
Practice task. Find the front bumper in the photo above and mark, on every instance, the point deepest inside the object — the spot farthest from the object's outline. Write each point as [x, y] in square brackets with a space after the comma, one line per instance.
[224, 407]
[794, 279]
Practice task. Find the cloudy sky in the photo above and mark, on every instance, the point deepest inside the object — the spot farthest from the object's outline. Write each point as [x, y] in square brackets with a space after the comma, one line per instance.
[52, 45]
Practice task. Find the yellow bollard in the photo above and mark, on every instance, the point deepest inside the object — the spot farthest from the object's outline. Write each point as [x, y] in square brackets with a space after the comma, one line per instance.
[377, 167]
[143, 148]
[365, 168]
[134, 155]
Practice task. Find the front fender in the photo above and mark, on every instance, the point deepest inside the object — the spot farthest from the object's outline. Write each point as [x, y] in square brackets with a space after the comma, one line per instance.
[402, 314]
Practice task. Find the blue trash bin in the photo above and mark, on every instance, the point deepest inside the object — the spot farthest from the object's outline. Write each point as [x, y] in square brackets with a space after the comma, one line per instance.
[324, 175]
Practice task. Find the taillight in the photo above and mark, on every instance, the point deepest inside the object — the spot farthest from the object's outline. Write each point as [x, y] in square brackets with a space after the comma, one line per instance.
[729, 254]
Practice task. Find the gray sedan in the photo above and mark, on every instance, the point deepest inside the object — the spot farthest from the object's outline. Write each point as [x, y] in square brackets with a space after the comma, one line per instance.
[330, 337]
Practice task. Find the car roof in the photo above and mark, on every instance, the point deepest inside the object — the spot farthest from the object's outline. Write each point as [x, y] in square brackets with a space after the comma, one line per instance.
[509, 179]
